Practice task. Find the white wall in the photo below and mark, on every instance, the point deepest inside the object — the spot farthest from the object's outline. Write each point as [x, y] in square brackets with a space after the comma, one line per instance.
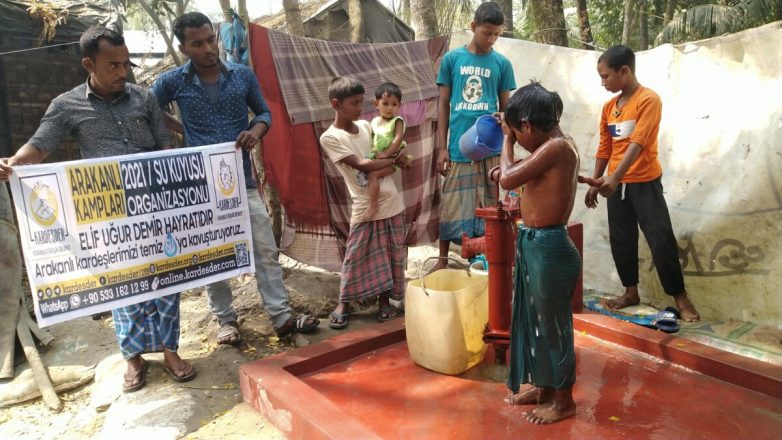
[721, 152]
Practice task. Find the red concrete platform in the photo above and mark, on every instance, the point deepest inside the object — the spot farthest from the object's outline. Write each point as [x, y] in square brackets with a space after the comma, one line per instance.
[363, 385]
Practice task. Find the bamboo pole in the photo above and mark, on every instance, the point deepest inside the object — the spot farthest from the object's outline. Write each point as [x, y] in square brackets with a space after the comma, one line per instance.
[36, 364]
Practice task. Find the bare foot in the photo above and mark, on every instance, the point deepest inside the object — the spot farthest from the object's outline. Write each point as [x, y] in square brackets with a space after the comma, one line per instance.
[369, 213]
[550, 412]
[630, 298]
[686, 308]
[530, 396]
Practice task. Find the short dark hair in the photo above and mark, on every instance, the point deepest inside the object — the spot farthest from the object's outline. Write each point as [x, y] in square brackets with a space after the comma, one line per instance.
[536, 105]
[343, 87]
[189, 20]
[489, 12]
[388, 88]
[89, 43]
[618, 56]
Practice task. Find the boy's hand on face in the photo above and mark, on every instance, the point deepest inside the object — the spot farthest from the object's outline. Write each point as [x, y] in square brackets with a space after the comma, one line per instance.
[510, 137]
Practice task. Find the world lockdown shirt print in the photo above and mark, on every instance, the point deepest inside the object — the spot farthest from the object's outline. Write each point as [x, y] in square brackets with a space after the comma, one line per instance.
[104, 233]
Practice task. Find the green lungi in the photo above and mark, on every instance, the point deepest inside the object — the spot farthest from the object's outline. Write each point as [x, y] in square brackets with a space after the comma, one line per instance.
[541, 336]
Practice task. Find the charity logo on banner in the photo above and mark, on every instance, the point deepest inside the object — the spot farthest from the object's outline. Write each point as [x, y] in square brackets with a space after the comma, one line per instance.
[98, 234]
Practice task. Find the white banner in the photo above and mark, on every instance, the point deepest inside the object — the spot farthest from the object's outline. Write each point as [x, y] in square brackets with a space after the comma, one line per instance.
[98, 234]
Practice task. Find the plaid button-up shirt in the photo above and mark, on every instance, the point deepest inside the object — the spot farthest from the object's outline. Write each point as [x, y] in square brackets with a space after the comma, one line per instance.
[131, 123]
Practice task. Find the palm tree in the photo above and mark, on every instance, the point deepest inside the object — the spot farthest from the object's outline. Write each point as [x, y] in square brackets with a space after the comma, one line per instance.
[584, 29]
[548, 20]
[507, 11]
[424, 19]
[356, 20]
[710, 20]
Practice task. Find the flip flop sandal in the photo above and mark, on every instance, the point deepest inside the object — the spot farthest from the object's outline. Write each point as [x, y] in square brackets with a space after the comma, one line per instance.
[142, 373]
[390, 313]
[179, 379]
[674, 311]
[301, 324]
[229, 329]
[666, 321]
[344, 317]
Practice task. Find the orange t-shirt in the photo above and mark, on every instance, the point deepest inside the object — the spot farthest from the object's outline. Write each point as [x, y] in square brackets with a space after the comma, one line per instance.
[639, 122]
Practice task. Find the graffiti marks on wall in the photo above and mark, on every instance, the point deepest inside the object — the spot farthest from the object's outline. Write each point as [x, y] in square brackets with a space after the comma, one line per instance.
[727, 257]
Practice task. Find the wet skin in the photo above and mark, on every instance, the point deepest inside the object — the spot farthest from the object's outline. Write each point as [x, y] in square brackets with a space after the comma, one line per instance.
[548, 174]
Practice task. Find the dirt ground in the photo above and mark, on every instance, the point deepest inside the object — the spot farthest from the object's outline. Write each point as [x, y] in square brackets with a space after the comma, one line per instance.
[220, 411]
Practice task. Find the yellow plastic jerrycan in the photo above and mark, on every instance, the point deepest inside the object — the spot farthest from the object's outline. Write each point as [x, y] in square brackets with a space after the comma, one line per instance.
[445, 315]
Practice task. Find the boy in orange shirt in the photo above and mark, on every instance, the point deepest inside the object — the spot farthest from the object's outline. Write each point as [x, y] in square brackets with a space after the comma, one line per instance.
[629, 125]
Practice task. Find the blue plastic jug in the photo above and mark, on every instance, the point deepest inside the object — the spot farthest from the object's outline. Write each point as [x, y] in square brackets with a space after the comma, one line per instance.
[482, 140]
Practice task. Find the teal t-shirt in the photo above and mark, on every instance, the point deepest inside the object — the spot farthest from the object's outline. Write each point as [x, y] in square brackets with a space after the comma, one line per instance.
[476, 82]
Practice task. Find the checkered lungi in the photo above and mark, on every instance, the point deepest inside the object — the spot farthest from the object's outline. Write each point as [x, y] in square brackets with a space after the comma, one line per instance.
[375, 260]
[148, 326]
[467, 186]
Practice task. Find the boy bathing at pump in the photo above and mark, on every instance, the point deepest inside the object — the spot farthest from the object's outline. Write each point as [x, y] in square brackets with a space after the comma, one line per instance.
[547, 261]
[375, 254]
[628, 147]
[387, 132]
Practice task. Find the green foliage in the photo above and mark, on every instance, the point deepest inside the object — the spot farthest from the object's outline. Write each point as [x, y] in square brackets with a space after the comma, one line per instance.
[606, 18]
[710, 20]
[454, 14]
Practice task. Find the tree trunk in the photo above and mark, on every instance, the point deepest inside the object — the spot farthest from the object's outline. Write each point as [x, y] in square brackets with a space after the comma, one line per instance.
[163, 31]
[629, 17]
[584, 30]
[643, 21]
[293, 17]
[406, 11]
[356, 19]
[658, 15]
[778, 9]
[424, 19]
[669, 10]
[507, 11]
[181, 6]
[548, 19]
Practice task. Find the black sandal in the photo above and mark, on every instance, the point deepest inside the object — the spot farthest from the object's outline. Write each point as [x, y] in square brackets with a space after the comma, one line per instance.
[141, 374]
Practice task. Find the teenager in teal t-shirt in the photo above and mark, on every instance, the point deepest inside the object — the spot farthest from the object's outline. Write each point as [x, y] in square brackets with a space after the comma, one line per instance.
[474, 80]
